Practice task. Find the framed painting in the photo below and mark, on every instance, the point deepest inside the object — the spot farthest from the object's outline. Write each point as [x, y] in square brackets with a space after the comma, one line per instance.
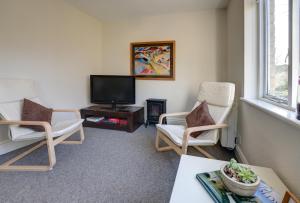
[153, 60]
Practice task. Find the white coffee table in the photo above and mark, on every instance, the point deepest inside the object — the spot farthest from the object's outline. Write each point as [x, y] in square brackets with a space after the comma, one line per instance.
[187, 188]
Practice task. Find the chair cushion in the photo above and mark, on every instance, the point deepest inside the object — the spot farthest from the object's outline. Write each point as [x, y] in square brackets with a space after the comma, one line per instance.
[58, 129]
[35, 112]
[217, 93]
[12, 111]
[218, 113]
[176, 132]
[199, 117]
[13, 91]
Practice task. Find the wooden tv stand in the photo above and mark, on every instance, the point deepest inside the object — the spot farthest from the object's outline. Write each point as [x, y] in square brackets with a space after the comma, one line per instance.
[129, 117]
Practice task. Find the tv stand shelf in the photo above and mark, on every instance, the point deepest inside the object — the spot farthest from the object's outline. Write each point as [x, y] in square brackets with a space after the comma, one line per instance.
[126, 118]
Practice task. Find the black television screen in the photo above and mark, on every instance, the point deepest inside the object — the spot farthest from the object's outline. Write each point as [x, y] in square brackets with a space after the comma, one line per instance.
[109, 89]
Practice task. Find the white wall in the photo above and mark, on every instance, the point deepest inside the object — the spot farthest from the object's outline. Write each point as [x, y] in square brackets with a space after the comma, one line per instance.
[200, 53]
[270, 142]
[235, 33]
[263, 139]
[52, 43]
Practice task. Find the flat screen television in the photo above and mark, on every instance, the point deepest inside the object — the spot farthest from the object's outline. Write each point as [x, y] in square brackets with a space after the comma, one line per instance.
[112, 89]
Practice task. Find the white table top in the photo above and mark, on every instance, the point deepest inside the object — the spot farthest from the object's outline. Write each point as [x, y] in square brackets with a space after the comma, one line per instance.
[187, 188]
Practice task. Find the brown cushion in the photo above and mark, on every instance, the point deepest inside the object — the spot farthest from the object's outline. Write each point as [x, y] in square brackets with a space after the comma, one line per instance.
[35, 112]
[199, 117]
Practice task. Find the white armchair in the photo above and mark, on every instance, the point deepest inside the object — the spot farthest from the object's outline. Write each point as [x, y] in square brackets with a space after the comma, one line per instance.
[12, 95]
[220, 97]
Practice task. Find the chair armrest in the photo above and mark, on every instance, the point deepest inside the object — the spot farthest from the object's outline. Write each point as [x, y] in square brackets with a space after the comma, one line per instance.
[162, 116]
[46, 125]
[206, 127]
[76, 111]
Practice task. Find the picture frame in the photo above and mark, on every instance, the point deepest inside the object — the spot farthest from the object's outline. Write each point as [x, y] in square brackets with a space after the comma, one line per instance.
[154, 60]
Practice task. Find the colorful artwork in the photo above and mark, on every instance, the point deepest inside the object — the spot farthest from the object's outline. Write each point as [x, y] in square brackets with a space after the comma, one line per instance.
[153, 60]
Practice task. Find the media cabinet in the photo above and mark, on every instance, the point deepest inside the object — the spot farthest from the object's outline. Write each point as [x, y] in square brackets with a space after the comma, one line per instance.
[126, 118]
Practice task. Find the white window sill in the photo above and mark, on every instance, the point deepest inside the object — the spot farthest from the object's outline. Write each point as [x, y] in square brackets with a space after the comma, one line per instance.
[276, 111]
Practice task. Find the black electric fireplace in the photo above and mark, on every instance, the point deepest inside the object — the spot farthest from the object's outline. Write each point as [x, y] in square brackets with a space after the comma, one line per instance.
[155, 107]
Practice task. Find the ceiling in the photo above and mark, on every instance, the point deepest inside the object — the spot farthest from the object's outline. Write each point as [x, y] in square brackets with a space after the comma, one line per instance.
[108, 10]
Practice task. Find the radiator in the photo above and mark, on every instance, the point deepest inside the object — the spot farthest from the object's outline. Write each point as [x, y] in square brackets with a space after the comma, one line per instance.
[229, 134]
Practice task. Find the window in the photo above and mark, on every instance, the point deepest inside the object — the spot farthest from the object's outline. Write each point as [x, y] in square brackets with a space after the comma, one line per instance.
[279, 55]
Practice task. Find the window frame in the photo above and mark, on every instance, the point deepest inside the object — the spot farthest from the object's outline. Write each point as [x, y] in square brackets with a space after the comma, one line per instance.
[290, 104]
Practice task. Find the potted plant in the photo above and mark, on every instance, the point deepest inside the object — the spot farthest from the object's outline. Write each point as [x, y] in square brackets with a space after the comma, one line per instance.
[239, 179]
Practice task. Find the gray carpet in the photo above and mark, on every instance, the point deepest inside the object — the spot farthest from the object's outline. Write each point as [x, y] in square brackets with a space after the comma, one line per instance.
[110, 166]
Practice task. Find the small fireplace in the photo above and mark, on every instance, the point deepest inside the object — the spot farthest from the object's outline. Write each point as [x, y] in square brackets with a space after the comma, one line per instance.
[155, 107]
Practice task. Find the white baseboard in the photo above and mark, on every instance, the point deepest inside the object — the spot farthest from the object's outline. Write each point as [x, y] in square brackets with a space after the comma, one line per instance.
[240, 155]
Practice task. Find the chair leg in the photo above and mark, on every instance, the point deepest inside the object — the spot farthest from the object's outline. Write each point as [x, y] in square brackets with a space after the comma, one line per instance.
[205, 153]
[7, 166]
[184, 149]
[81, 132]
[171, 146]
[157, 140]
[51, 153]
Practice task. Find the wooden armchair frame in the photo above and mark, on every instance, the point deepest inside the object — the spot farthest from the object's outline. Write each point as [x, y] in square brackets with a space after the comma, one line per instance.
[290, 196]
[49, 141]
[183, 149]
